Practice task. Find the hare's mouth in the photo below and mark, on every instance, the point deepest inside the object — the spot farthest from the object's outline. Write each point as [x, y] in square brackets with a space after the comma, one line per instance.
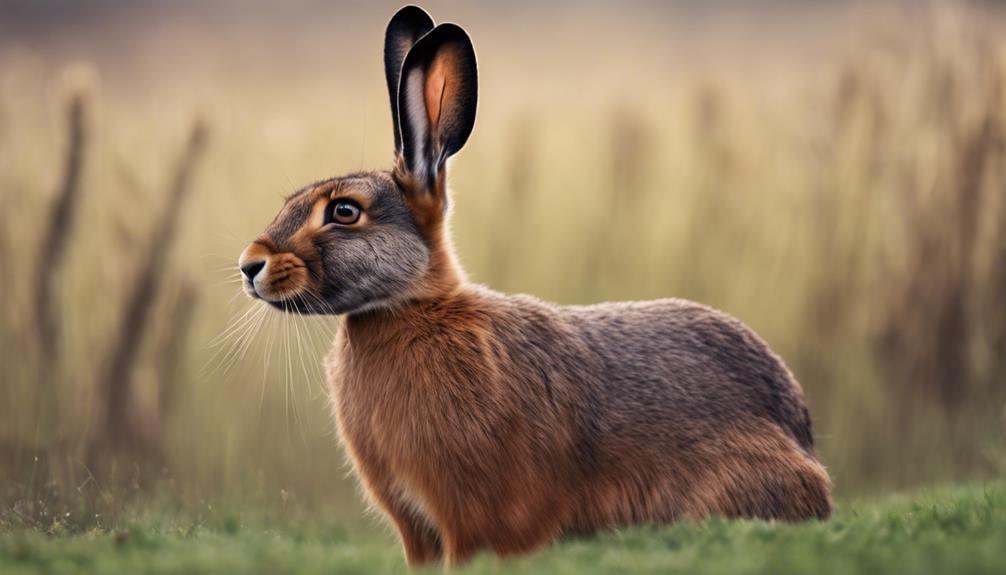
[268, 291]
[292, 301]
[292, 305]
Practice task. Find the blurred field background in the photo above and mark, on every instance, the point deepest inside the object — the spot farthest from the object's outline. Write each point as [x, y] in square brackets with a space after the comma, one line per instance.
[833, 174]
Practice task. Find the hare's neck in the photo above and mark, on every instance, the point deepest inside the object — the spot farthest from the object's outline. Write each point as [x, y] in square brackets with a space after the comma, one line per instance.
[381, 334]
[444, 275]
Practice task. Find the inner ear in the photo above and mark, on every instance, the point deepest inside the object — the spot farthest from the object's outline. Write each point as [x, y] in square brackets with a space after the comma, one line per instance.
[436, 83]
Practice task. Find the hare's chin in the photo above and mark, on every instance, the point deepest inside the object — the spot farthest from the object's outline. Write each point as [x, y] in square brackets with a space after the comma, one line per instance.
[290, 305]
[280, 298]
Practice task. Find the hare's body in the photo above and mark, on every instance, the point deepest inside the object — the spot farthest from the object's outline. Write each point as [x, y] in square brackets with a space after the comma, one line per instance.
[477, 420]
[481, 420]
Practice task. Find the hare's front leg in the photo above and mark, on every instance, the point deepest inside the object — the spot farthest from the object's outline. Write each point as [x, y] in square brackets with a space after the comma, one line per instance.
[420, 539]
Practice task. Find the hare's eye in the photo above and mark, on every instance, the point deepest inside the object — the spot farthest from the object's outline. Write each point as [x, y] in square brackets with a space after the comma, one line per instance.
[344, 212]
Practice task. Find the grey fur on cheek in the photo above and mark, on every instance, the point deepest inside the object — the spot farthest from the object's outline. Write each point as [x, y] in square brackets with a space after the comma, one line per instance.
[371, 266]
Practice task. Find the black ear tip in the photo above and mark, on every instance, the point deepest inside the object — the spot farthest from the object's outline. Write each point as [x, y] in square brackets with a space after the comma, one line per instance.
[444, 34]
[410, 17]
[450, 32]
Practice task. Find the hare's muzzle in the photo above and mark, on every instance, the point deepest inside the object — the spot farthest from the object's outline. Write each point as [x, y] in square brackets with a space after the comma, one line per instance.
[271, 276]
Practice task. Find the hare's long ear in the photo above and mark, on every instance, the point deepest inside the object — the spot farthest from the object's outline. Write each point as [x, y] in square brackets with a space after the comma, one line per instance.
[437, 97]
[406, 27]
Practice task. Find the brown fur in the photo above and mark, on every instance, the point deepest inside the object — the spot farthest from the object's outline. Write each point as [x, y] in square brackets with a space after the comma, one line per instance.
[477, 420]
[455, 442]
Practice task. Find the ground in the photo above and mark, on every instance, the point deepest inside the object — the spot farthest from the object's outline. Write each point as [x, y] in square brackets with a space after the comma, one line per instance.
[948, 530]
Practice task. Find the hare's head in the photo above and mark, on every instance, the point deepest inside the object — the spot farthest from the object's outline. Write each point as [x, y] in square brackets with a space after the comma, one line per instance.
[375, 239]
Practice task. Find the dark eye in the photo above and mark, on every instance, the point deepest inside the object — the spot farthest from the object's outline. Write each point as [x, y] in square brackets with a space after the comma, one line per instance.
[344, 212]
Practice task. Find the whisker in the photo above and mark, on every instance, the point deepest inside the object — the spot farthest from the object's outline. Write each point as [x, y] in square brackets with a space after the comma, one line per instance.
[303, 366]
[220, 256]
[242, 341]
[248, 340]
[232, 327]
[230, 336]
[288, 373]
[325, 306]
[228, 281]
[300, 342]
[312, 344]
[268, 358]
[235, 296]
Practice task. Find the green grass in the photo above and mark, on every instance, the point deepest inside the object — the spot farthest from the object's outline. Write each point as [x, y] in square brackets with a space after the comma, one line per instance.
[959, 530]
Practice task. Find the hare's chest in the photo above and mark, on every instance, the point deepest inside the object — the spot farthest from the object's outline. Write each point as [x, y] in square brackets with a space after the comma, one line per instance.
[418, 401]
[382, 434]
[381, 407]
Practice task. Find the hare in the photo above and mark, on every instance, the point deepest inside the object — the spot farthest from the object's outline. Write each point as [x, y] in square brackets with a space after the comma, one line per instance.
[477, 420]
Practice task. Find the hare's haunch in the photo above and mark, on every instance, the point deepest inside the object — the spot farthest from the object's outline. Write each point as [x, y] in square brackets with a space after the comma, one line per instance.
[477, 420]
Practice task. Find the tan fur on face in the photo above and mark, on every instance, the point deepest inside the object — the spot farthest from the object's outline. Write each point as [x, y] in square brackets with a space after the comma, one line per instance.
[288, 277]
[284, 276]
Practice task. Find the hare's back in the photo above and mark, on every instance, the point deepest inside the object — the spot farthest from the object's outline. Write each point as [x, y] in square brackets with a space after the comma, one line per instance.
[673, 364]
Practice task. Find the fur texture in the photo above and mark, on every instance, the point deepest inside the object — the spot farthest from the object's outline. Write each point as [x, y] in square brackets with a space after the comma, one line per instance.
[477, 420]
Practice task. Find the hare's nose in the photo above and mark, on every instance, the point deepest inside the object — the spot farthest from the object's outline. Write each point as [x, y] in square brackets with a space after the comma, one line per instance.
[251, 269]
